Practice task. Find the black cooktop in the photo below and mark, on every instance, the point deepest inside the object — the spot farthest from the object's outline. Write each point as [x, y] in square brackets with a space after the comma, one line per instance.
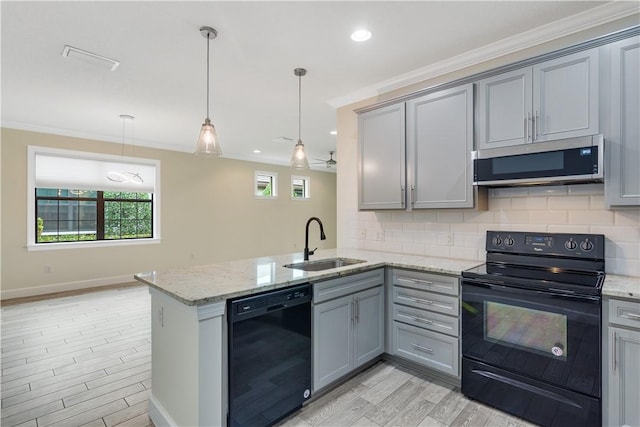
[551, 262]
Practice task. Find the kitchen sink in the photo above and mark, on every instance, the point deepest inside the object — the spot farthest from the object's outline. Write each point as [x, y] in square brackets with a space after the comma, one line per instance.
[323, 264]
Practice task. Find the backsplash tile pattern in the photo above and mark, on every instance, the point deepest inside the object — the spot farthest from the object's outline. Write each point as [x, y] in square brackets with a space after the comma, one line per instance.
[460, 233]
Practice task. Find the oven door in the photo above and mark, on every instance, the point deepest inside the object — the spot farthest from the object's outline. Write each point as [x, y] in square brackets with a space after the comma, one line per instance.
[547, 337]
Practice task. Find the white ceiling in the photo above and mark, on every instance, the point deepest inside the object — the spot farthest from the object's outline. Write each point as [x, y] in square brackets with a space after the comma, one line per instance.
[254, 94]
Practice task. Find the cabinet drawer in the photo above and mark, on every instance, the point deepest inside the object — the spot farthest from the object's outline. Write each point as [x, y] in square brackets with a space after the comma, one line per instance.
[427, 282]
[427, 348]
[426, 319]
[626, 313]
[335, 288]
[444, 304]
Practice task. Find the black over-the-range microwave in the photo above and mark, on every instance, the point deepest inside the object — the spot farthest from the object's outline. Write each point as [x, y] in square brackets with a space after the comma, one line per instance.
[565, 161]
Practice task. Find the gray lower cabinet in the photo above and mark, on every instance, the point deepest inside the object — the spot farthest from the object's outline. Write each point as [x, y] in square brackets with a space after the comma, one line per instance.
[348, 325]
[621, 385]
[622, 180]
[426, 321]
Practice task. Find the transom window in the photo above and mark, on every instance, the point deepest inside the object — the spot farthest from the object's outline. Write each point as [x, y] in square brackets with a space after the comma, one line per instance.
[300, 187]
[266, 184]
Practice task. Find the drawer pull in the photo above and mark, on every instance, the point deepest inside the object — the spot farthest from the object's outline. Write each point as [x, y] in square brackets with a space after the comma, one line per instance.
[422, 320]
[631, 316]
[412, 280]
[421, 348]
[421, 301]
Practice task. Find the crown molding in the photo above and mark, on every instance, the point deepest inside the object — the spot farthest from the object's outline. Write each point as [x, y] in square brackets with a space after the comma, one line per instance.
[591, 18]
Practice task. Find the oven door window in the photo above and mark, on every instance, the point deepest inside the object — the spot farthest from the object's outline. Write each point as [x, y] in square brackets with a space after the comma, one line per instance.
[537, 331]
[552, 338]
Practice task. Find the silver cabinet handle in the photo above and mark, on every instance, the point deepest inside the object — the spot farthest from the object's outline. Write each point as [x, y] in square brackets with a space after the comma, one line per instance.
[613, 351]
[536, 121]
[411, 196]
[402, 195]
[421, 301]
[357, 308]
[631, 316]
[353, 311]
[526, 128]
[412, 280]
[422, 320]
[421, 348]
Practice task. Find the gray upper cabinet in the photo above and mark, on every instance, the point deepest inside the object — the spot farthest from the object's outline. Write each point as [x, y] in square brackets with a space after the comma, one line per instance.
[439, 143]
[551, 100]
[382, 175]
[504, 109]
[622, 171]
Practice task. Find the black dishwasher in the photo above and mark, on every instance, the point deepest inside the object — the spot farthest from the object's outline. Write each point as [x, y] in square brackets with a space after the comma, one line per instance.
[269, 355]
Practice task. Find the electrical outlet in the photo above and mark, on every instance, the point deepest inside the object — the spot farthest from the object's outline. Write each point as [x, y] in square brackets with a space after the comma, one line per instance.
[48, 269]
[449, 239]
[380, 236]
[445, 239]
[363, 233]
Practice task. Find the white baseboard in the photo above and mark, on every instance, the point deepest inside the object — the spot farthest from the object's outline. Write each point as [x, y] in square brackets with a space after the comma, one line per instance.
[64, 287]
[159, 415]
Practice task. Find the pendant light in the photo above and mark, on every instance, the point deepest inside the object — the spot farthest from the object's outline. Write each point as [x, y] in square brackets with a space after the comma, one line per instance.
[208, 144]
[125, 176]
[299, 158]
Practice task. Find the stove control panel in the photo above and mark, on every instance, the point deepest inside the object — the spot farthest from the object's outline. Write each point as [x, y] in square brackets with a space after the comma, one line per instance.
[589, 246]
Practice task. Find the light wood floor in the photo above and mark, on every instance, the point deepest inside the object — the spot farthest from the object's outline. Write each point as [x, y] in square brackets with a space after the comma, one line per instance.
[85, 360]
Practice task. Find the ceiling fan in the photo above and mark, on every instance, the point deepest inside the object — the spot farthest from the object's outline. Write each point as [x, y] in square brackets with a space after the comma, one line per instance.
[330, 162]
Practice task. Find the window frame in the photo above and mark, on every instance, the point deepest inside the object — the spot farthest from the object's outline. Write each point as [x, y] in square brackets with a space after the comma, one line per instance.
[31, 244]
[274, 185]
[307, 187]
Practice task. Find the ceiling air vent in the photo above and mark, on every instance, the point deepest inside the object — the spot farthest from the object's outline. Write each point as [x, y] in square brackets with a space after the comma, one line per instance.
[74, 52]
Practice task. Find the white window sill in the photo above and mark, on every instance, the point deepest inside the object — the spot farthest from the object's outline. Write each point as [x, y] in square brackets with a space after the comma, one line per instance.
[300, 198]
[90, 244]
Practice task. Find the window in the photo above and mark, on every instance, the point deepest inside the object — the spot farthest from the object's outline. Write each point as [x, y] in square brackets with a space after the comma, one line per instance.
[266, 184]
[300, 187]
[89, 199]
[82, 215]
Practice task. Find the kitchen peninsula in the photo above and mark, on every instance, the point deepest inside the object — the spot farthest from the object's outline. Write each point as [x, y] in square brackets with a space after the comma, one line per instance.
[189, 362]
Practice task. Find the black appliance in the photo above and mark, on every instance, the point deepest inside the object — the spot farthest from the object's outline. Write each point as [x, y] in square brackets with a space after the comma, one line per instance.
[531, 322]
[269, 355]
[554, 162]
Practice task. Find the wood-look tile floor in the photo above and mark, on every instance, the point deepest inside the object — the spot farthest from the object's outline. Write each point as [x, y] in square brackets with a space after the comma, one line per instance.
[85, 360]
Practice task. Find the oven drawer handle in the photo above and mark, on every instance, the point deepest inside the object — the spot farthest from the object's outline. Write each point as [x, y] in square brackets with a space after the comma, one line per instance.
[632, 316]
[422, 348]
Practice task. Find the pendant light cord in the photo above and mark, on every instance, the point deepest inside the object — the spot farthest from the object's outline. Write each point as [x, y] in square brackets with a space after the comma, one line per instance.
[208, 39]
[299, 108]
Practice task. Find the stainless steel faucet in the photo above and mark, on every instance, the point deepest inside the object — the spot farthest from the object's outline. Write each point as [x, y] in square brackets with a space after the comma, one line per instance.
[307, 252]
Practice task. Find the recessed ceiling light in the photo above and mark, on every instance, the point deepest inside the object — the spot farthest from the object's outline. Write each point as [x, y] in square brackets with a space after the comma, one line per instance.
[361, 35]
[256, 151]
[334, 132]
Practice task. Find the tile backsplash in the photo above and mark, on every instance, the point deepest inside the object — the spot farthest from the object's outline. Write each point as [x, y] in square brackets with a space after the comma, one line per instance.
[460, 233]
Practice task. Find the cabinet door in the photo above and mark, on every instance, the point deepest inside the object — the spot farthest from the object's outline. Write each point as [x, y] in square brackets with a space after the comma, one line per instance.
[332, 340]
[624, 377]
[504, 109]
[382, 158]
[566, 96]
[622, 183]
[369, 325]
[440, 141]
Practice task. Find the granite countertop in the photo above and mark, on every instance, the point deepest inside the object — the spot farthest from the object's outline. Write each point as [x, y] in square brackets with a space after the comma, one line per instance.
[217, 282]
[622, 287]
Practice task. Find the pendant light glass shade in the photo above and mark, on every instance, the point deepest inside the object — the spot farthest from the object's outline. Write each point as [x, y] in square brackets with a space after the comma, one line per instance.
[208, 144]
[299, 159]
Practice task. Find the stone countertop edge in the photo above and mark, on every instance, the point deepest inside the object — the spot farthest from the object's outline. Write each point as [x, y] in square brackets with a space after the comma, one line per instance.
[621, 287]
[200, 285]
[205, 284]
